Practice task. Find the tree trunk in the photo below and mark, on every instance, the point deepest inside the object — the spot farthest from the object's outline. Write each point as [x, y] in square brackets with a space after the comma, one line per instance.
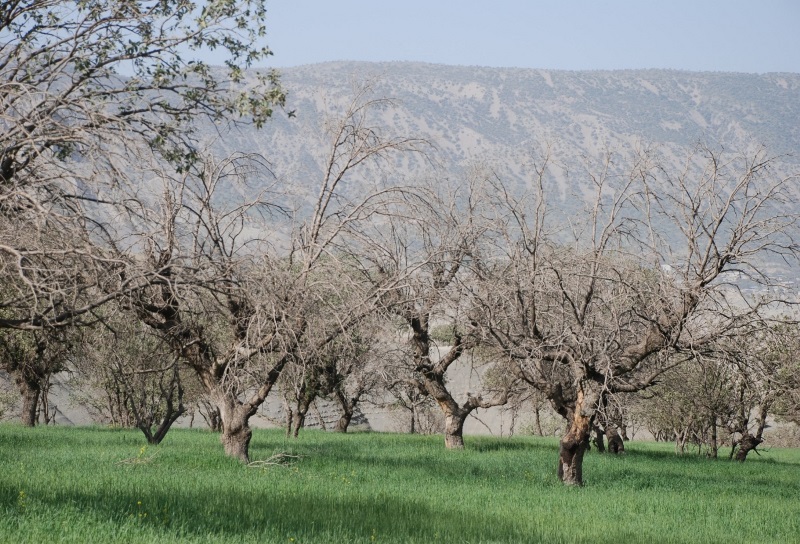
[30, 401]
[344, 421]
[236, 432]
[714, 449]
[299, 415]
[575, 443]
[747, 444]
[348, 409]
[236, 442]
[537, 420]
[599, 443]
[298, 421]
[454, 429]
[615, 441]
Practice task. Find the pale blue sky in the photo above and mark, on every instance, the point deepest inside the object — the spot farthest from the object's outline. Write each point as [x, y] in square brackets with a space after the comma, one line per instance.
[700, 35]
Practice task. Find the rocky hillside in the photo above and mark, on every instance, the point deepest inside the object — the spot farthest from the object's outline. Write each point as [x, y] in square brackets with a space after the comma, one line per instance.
[473, 113]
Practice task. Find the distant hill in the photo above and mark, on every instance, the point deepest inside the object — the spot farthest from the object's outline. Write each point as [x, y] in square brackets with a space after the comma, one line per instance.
[473, 113]
[499, 115]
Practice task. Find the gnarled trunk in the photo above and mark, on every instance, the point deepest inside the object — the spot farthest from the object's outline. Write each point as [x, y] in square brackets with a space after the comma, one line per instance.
[747, 444]
[29, 385]
[236, 432]
[454, 428]
[236, 441]
[298, 420]
[348, 406]
[574, 444]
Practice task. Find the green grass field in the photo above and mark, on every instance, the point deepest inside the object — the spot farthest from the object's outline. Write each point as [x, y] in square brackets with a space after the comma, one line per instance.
[99, 485]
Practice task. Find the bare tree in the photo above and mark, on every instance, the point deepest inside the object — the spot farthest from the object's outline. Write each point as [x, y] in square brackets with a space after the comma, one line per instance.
[239, 307]
[344, 371]
[129, 376]
[87, 87]
[610, 303]
[439, 237]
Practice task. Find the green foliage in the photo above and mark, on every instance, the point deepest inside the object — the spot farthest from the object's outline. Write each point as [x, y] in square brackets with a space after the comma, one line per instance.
[381, 488]
[443, 334]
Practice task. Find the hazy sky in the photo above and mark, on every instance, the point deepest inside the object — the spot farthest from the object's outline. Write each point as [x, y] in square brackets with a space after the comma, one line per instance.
[717, 35]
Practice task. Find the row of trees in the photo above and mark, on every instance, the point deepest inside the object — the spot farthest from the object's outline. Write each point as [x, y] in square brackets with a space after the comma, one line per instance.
[116, 221]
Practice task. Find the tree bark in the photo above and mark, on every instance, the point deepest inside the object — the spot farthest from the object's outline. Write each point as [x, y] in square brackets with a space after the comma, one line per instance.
[236, 432]
[714, 449]
[30, 403]
[299, 415]
[236, 441]
[30, 391]
[344, 422]
[454, 429]
[348, 409]
[298, 421]
[615, 441]
[599, 442]
[747, 444]
[574, 444]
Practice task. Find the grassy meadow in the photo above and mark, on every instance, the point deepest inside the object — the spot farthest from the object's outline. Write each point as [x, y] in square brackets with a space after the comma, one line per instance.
[103, 485]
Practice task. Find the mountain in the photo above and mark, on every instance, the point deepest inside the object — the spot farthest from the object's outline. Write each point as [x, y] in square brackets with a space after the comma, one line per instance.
[501, 116]
[472, 112]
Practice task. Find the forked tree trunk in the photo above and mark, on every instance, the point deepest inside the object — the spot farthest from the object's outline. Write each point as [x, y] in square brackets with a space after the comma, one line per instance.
[574, 444]
[750, 442]
[747, 444]
[298, 420]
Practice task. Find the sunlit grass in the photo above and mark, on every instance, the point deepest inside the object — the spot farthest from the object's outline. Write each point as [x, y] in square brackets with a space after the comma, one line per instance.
[100, 485]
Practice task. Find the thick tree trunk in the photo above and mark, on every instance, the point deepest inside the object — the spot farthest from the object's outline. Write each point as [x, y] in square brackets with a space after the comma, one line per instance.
[454, 430]
[236, 432]
[236, 441]
[750, 442]
[747, 444]
[575, 443]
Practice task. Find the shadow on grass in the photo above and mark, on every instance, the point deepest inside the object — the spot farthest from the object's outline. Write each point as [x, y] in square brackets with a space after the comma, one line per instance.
[301, 517]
